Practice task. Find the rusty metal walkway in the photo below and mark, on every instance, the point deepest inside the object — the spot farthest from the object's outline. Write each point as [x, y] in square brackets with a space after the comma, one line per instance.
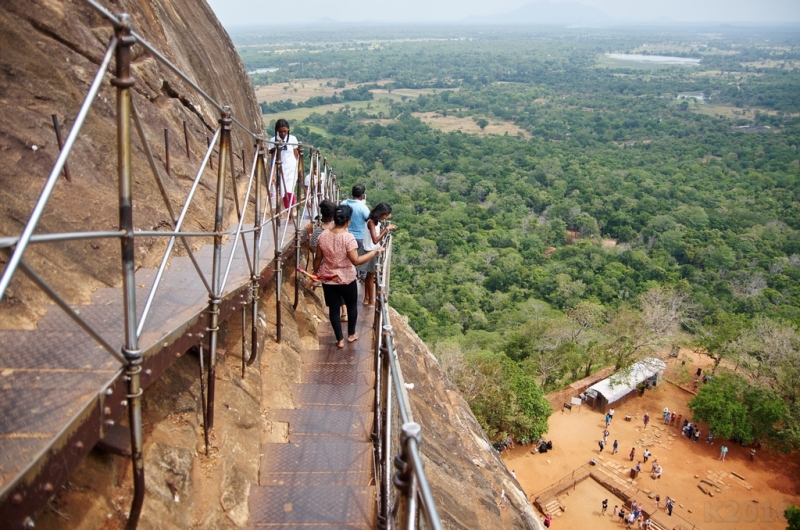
[324, 477]
[60, 392]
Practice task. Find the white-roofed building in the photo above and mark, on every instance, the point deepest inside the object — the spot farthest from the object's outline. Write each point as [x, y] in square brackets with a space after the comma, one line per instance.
[615, 390]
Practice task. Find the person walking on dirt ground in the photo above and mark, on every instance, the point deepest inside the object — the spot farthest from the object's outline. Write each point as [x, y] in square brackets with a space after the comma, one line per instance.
[722, 452]
[633, 453]
[753, 454]
[602, 445]
[610, 415]
[614, 447]
[646, 419]
[672, 418]
[646, 454]
[605, 507]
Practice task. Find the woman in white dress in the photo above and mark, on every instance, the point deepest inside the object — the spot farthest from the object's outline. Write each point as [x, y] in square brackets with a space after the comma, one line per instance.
[290, 153]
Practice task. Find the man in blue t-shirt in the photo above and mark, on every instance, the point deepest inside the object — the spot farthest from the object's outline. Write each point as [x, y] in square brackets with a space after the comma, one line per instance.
[358, 221]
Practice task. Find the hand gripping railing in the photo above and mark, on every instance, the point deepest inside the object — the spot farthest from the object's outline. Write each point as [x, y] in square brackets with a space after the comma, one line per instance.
[396, 436]
[264, 211]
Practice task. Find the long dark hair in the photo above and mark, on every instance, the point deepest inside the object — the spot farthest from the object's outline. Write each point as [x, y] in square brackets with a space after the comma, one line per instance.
[342, 214]
[379, 211]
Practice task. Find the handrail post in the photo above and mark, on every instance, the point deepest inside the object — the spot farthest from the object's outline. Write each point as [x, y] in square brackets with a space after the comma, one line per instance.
[261, 180]
[133, 355]
[386, 378]
[214, 301]
[405, 479]
[278, 244]
[298, 186]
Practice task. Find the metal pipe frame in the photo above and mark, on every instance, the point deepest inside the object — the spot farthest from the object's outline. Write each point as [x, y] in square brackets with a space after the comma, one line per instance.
[166, 62]
[297, 218]
[414, 488]
[163, 191]
[130, 350]
[240, 210]
[258, 165]
[131, 354]
[216, 271]
[278, 172]
[60, 302]
[50, 184]
[178, 224]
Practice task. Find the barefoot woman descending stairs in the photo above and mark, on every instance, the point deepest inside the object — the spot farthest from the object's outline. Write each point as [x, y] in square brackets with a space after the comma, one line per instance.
[338, 256]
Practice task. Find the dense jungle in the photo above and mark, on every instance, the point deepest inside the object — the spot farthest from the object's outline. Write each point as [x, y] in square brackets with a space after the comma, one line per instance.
[571, 199]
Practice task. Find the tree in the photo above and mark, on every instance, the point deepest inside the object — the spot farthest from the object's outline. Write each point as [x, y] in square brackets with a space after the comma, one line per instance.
[792, 514]
[719, 336]
[482, 123]
[633, 334]
[733, 408]
[505, 400]
[771, 357]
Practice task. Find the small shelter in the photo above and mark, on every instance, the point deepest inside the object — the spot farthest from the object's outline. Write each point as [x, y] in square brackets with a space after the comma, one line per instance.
[622, 386]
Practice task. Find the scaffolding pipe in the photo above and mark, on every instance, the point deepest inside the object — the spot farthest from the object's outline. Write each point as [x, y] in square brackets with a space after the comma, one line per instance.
[133, 355]
[216, 270]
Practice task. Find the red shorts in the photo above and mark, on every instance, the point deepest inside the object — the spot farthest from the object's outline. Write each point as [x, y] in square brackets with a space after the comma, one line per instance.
[289, 200]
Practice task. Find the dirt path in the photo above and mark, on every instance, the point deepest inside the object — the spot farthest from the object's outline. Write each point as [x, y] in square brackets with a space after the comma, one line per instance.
[771, 483]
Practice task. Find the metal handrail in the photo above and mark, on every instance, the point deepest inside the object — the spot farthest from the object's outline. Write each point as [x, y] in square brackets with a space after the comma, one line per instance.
[398, 509]
[131, 355]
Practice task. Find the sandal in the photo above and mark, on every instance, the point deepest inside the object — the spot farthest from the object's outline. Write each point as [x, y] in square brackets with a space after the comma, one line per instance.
[352, 338]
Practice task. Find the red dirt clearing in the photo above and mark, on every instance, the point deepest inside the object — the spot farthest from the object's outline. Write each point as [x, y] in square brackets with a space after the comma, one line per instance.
[771, 483]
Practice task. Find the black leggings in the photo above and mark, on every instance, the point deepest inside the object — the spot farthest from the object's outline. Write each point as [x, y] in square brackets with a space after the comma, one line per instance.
[334, 295]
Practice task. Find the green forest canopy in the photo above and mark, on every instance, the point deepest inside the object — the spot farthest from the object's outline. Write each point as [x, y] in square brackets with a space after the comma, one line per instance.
[623, 190]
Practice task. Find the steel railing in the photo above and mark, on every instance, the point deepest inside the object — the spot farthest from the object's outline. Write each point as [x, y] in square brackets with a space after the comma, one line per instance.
[403, 488]
[266, 210]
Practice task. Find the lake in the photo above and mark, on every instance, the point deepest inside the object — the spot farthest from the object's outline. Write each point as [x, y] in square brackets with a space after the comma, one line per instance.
[660, 59]
[263, 70]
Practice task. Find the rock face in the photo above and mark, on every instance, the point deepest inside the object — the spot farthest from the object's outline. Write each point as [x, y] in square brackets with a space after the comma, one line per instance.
[51, 52]
[468, 478]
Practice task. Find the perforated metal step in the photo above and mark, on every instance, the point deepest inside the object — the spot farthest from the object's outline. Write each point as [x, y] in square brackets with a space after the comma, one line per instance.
[332, 395]
[313, 507]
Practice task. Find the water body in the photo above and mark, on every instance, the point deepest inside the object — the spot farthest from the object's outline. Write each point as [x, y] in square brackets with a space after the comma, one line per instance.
[659, 59]
[263, 70]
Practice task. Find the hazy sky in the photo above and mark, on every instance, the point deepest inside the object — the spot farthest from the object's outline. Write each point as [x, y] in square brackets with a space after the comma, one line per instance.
[258, 12]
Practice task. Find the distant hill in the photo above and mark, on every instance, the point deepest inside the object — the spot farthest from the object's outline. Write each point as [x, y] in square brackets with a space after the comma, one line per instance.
[549, 14]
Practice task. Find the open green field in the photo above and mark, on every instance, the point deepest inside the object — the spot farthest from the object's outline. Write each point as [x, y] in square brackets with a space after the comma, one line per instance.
[297, 115]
